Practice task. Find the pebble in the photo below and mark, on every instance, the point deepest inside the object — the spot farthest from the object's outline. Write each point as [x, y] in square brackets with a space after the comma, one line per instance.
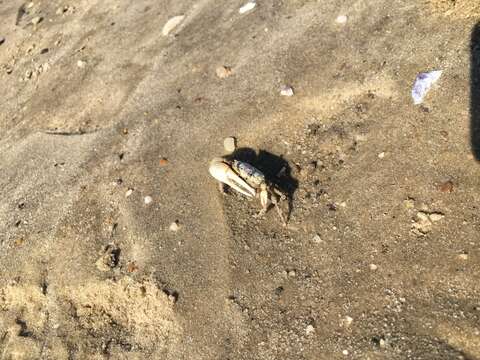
[463, 256]
[309, 330]
[163, 162]
[286, 91]
[223, 71]
[129, 192]
[434, 217]
[348, 320]
[247, 7]
[2, 40]
[381, 155]
[345, 352]
[446, 187]
[148, 200]
[422, 223]
[37, 20]
[341, 19]
[373, 267]
[292, 273]
[174, 226]
[171, 24]
[422, 216]
[317, 239]
[81, 63]
[409, 203]
[230, 144]
[62, 10]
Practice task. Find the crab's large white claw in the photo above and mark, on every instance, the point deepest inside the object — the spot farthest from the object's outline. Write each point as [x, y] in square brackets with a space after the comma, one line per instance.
[225, 174]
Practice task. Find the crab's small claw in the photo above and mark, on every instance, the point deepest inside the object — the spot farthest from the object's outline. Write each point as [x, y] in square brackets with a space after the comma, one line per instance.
[221, 171]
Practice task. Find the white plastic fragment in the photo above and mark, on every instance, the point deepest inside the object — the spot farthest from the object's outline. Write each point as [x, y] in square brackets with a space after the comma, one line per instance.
[247, 7]
[423, 83]
[171, 24]
[341, 19]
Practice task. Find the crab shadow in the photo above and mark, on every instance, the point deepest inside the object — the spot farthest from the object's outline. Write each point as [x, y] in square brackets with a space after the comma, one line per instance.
[276, 169]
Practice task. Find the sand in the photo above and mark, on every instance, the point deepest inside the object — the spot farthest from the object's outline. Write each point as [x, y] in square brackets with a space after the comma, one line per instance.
[100, 111]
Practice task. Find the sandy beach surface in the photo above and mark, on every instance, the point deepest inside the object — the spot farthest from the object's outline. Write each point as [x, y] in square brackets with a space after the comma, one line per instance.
[115, 242]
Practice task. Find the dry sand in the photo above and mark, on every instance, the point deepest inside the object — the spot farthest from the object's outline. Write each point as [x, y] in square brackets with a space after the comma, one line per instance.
[100, 110]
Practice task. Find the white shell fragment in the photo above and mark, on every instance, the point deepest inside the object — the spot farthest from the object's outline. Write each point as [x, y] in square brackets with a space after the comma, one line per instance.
[148, 200]
[423, 83]
[247, 7]
[341, 19]
[286, 91]
[171, 24]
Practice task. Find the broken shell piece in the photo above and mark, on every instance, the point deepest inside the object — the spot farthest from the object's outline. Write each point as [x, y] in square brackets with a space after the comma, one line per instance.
[247, 7]
[286, 91]
[171, 24]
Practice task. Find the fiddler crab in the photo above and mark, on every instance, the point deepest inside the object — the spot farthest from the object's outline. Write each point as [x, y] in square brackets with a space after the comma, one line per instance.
[249, 181]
